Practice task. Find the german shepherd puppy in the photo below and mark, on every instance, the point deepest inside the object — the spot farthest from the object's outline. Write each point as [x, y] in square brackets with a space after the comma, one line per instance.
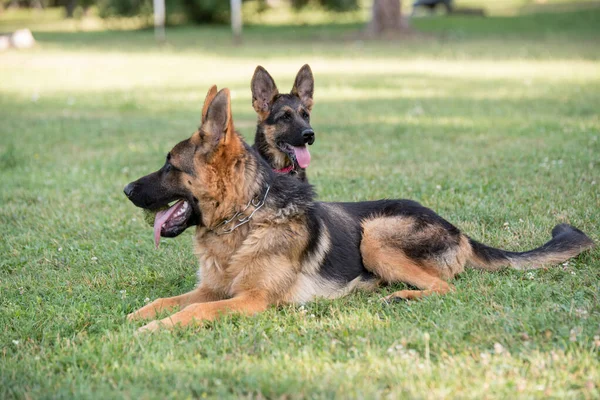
[262, 240]
[283, 131]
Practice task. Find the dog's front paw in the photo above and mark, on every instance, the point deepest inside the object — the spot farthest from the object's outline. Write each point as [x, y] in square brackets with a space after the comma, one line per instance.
[395, 297]
[134, 316]
[149, 328]
[146, 312]
[142, 313]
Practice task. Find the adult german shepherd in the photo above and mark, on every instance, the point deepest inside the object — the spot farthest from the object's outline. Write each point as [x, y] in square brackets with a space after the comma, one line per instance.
[262, 240]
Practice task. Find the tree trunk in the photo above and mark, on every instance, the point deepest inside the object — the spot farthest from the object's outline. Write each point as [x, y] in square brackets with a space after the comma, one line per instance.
[386, 17]
[160, 13]
[236, 20]
[70, 7]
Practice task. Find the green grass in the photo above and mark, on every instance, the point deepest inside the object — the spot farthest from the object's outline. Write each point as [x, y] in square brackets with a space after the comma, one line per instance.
[493, 123]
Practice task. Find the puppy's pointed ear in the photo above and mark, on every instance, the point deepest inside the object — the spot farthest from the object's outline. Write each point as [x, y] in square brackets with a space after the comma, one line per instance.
[264, 91]
[218, 124]
[212, 92]
[304, 86]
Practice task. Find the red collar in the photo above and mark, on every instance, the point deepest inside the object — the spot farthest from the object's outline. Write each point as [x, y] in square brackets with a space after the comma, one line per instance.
[285, 170]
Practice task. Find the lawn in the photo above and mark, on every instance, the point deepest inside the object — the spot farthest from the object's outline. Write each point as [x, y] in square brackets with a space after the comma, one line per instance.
[491, 122]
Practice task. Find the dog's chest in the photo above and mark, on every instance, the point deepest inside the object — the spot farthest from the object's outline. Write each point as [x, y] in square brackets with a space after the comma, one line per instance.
[217, 276]
[216, 269]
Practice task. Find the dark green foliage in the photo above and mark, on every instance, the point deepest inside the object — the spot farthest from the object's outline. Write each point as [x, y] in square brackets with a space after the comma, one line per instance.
[340, 5]
[207, 11]
[334, 5]
[198, 11]
[124, 8]
[298, 4]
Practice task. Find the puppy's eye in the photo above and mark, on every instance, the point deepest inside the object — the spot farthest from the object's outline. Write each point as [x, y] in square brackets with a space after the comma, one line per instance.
[286, 117]
[305, 115]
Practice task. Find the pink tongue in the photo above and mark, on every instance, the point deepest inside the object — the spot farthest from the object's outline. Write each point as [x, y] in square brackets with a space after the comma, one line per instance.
[302, 155]
[160, 218]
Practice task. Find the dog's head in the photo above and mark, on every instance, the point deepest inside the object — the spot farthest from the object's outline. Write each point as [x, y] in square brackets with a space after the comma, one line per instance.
[201, 175]
[283, 130]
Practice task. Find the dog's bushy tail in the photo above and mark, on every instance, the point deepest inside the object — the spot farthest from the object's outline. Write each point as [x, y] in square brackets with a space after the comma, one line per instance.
[567, 241]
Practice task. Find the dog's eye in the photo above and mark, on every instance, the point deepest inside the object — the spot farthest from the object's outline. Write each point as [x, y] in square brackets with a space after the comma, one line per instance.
[305, 115]
[170, 168]
[287, 116]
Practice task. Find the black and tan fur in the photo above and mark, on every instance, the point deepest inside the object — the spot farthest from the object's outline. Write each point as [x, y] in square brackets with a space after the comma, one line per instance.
[295, 249]
[283, 119]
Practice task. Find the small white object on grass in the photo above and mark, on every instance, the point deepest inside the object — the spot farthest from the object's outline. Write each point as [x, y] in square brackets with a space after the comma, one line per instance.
[22, 39]
[4, 42]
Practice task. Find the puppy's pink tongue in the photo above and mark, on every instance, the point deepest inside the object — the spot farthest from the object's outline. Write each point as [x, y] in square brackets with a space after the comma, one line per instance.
[302, 156]
[160, 218]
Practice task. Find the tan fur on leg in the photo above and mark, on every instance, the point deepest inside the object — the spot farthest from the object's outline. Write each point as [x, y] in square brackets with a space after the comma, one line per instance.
[201, 294]
[247, 303]
[416, 276]
[383, 254]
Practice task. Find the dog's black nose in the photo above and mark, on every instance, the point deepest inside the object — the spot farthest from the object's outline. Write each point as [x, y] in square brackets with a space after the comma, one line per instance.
[129, 189]
[309, 136]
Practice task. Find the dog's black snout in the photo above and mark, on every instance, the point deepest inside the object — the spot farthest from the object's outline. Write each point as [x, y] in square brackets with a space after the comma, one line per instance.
[129, 189]
[309, 136]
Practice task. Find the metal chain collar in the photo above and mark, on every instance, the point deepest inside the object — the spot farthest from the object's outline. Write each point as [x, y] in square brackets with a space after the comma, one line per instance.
[239, 218]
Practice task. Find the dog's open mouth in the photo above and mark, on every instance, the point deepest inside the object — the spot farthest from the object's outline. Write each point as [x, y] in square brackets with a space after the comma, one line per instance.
[172, 221]
[298, 155]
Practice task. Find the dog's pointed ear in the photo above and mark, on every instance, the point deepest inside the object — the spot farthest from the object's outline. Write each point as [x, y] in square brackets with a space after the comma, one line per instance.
[264, 91]
[304, 86]
[212, 92]
[218, 124]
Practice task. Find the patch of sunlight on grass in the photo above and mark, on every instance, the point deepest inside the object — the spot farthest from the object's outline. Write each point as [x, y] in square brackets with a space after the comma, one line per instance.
[101, 72]
[517, 7]
[334, 93]
[53, 20]
[555, 6]
[472, 69]
[408, 120]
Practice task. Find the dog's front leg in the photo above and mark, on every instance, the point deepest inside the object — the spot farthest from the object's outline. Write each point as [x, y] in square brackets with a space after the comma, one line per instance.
[201, 294]
[244, 303]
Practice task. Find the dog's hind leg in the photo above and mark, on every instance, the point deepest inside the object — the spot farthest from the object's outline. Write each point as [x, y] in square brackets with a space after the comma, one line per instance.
[392, 265]
[201, 294]
[400, 249]
[423, 280]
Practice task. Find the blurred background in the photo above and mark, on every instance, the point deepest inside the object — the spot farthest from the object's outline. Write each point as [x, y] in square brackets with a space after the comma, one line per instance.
[399, 76]
[411, 97]
[378, 15]
[418, 85]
